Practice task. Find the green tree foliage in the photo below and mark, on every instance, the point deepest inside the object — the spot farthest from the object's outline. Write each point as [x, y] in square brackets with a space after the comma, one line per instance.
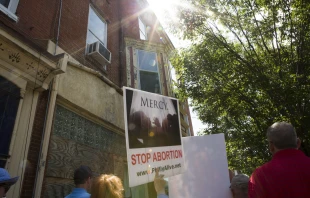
[248, 68]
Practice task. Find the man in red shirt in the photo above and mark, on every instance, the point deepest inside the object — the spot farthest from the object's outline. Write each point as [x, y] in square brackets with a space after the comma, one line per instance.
[287, 175]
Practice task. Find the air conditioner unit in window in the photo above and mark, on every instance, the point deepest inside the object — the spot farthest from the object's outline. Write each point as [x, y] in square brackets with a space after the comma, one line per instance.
[99, 52]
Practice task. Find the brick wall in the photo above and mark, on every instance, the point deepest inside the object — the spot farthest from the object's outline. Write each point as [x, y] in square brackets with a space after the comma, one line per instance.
[38, 22]
[34, 148]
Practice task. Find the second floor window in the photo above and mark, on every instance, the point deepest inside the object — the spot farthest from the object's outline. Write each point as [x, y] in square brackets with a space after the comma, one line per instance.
[9, 8]
[5, 3]
[142, 30]
[148, 72]
[97, 28]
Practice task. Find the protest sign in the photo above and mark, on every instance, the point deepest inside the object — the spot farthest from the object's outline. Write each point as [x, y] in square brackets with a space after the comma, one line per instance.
[206, 172]
[153, 136]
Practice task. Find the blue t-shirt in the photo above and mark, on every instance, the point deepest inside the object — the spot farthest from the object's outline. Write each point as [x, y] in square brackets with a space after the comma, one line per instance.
[78, 193]
[162, 196]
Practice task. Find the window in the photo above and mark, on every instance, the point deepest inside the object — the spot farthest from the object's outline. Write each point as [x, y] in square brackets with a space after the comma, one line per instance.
[97, 28]
[170, 73]
[9, 7]
[5, 3]
[148, 72]
[189, 132]
[186, 119]
[142, 30]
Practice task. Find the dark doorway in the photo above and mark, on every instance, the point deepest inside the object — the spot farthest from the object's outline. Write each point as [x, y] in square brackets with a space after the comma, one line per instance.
[9, 100]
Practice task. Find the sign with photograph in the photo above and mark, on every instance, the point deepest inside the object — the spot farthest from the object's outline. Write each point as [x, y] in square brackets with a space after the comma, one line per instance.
[153, 136]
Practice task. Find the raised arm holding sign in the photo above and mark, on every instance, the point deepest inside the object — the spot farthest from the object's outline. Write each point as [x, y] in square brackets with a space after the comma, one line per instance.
[159, 184]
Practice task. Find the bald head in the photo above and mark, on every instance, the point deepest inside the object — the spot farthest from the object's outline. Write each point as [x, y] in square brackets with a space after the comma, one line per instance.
[282, 135]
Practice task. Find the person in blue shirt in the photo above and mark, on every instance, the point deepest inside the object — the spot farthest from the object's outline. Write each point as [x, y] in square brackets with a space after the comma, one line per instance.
[82, 181]
[6, 181]
[160, 184]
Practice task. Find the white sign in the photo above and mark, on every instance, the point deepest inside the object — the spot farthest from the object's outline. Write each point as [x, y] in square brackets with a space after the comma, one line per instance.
[153, 136]
[206, 169]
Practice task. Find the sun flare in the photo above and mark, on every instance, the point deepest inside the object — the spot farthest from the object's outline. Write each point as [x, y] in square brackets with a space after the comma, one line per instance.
[167, 13]
[164, 9]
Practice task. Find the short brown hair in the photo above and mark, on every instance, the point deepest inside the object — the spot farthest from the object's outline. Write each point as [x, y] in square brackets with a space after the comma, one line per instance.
[81, 175]
[107, 186]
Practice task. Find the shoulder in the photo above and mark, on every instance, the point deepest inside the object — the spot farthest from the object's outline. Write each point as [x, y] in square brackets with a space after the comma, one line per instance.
[85, 195]
[306, 158]
[262, 169]
[257, 183]
[259, 175]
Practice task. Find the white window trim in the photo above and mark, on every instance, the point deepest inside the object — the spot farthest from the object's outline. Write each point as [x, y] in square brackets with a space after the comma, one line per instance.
[144, 26]
[10, 11]
[106, 29]
[160, 88]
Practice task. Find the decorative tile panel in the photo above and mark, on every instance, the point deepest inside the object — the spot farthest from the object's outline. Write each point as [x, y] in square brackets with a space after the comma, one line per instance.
[70, 125]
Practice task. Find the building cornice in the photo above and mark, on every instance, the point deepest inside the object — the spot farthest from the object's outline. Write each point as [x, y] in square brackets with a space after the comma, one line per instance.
[34, 67]
[149, 46]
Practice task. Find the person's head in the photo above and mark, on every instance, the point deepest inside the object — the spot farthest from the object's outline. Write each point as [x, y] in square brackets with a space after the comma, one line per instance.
[239, 186]
[282, 135]
[82, 177]
[6, 182]
[107, 186]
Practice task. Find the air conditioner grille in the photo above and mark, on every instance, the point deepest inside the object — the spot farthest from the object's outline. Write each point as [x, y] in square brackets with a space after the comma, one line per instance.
[104, 52]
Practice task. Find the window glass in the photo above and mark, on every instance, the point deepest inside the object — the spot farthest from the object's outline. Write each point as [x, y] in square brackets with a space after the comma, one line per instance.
[148, 72]
[147, 61]
[5, 3]
[142, 29]
[97, 28]
[149, 82]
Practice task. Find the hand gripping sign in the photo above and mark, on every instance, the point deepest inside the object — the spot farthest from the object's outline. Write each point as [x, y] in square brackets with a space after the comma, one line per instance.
[153, 136]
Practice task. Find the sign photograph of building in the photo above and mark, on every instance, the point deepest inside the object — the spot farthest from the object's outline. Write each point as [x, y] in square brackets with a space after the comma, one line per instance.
[152, 120]
[153, 135]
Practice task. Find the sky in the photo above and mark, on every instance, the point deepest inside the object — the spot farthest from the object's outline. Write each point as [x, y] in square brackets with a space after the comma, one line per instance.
[162, 9]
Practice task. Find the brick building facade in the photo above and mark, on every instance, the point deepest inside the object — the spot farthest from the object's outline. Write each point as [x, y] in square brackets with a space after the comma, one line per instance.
[65, 104]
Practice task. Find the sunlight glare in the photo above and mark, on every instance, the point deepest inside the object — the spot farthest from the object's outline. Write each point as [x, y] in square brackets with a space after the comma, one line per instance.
[167, 13]
[164, 8]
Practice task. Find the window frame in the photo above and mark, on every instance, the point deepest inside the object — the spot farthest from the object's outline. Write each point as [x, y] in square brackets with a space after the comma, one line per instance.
[158, 73]
[140, 29]
[189, 132]
[11, 9]
[104, 42]
[170, 80]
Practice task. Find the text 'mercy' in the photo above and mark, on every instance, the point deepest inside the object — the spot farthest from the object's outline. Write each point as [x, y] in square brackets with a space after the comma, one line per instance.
[146, 102]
